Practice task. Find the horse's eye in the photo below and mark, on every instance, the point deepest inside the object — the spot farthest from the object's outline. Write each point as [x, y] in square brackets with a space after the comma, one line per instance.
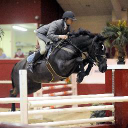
[102, 47]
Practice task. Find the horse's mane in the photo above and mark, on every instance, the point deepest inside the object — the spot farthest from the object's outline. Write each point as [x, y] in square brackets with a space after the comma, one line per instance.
[82, 32]
[85, 33]
[81, 35]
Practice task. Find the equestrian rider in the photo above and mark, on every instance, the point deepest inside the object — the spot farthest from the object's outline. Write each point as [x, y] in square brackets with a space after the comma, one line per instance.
[53, 32]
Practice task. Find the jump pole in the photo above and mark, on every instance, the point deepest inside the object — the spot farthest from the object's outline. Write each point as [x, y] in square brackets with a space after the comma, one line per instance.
[59, 111]
[79, 121]
[23, 96]
[78, 101]
[17, 100]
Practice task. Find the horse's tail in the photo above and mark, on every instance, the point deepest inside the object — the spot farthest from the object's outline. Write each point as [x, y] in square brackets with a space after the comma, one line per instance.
[13, 85]
[12, 76]
[12, 91]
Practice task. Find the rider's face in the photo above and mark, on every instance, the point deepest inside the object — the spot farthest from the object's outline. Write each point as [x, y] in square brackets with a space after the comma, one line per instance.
[69, 21]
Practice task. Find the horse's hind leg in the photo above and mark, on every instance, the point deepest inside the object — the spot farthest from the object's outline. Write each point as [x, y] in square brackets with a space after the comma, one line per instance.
[33, 87]
[13, 93]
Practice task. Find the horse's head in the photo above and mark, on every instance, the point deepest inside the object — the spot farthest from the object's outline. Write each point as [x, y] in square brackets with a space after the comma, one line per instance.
[92, 44]
[97, 52]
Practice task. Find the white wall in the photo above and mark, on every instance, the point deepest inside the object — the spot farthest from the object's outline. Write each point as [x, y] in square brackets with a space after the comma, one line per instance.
[24, 38]
[12, 36]
[6, 43]
[94, 24]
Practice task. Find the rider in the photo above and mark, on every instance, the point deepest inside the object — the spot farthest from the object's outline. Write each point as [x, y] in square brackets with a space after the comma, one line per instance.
[52, 32]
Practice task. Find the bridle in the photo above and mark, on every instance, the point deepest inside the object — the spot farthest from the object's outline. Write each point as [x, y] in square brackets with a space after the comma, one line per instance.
[95, 53]
[93, 61]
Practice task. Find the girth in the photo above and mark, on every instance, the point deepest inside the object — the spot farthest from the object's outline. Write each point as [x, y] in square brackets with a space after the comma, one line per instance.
[55, 76]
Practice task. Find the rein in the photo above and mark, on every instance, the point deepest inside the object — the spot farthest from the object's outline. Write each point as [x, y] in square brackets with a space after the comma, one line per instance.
[52, 71]
[95, 52]
[89, 57]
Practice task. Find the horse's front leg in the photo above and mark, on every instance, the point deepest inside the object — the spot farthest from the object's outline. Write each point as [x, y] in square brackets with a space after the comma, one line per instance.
[82, 73]
[80, 70]
[88, 69]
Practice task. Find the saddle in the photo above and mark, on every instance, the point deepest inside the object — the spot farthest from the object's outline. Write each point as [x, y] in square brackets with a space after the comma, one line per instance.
[46, 55]
[49, 49]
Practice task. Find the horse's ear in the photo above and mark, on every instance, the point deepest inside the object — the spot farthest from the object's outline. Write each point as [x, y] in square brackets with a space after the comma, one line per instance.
[101, 38]
[83, 31]
[95, 39]
[105, 38]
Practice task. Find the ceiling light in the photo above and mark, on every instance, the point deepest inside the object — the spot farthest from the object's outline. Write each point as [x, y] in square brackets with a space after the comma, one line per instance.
[19, 28]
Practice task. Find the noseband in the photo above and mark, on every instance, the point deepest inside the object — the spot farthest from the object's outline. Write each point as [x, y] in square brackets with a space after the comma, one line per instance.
[96, 61]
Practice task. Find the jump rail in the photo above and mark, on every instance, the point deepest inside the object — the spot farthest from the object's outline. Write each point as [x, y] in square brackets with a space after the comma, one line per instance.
[57, 87]
[78, 101]
[80, 121]
[16, 125]
[5, 82]
[58, 93]
[59, 111]
[17, 100]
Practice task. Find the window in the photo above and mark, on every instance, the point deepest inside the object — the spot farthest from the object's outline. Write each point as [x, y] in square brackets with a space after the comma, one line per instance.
[18, 36]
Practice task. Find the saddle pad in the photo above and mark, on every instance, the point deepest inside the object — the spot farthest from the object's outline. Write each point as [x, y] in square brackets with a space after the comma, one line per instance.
[30, 58]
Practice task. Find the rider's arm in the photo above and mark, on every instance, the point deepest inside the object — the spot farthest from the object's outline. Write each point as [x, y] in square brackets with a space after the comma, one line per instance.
[63, 37]
[51, 32]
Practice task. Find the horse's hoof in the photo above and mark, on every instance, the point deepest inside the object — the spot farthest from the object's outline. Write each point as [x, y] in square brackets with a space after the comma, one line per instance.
[80, 77]
[79, 81]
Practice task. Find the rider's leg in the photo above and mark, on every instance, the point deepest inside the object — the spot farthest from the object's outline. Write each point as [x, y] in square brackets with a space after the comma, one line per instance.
[38, 54]
[41, 52]
[42, 46]
[36, 57]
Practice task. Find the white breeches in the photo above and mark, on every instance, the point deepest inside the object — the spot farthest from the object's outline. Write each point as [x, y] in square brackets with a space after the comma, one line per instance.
[42, 46]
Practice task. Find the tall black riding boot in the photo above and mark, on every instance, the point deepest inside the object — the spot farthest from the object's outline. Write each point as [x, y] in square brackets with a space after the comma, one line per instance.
[36, 57]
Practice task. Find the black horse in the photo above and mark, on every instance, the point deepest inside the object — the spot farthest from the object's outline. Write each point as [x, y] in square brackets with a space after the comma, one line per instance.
[64, 60]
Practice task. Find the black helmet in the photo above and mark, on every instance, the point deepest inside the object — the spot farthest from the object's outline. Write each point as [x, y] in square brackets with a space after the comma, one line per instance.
[69, 15]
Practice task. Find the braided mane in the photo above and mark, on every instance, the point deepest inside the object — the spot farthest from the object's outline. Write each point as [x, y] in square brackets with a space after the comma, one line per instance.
[82, 32]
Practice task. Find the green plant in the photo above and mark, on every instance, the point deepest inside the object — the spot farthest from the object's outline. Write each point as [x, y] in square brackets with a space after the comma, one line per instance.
[1, 33]
[117, 34]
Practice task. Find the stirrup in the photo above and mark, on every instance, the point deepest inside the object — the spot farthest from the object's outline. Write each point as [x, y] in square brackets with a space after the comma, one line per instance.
[30, 67]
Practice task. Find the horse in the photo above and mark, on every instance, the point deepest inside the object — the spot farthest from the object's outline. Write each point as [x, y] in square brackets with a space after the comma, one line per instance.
[64, 60]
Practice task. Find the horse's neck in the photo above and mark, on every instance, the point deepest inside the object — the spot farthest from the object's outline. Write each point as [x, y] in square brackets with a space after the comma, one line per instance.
[82, 42]
[63, 62]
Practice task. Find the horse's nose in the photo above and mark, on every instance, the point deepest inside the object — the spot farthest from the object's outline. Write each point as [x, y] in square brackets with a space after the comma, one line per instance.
[103, 68]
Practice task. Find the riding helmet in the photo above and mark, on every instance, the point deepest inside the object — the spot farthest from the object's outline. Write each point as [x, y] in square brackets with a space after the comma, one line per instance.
[69, 15]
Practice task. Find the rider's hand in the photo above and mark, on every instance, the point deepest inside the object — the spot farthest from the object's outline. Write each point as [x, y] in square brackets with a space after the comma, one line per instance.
[64, 37]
